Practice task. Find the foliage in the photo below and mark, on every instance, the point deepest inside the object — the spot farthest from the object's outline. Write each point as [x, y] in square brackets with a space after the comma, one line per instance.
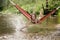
[30, 6]
[3, 4]
[54, 3]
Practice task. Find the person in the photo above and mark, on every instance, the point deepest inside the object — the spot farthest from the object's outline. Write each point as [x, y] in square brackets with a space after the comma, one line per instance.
[33, 18]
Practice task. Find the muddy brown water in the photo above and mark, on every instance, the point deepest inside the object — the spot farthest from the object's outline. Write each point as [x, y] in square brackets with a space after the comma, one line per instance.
[10, 25]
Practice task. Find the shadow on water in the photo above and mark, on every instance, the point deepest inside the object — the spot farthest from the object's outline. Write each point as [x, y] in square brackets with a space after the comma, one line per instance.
[45, 30]
[6, 26]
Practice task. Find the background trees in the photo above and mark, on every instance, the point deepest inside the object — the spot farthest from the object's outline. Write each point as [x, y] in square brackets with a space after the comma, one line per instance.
[30, 5]
[3, 4]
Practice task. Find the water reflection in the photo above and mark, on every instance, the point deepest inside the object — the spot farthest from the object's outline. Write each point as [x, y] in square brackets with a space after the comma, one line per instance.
[16, 22]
